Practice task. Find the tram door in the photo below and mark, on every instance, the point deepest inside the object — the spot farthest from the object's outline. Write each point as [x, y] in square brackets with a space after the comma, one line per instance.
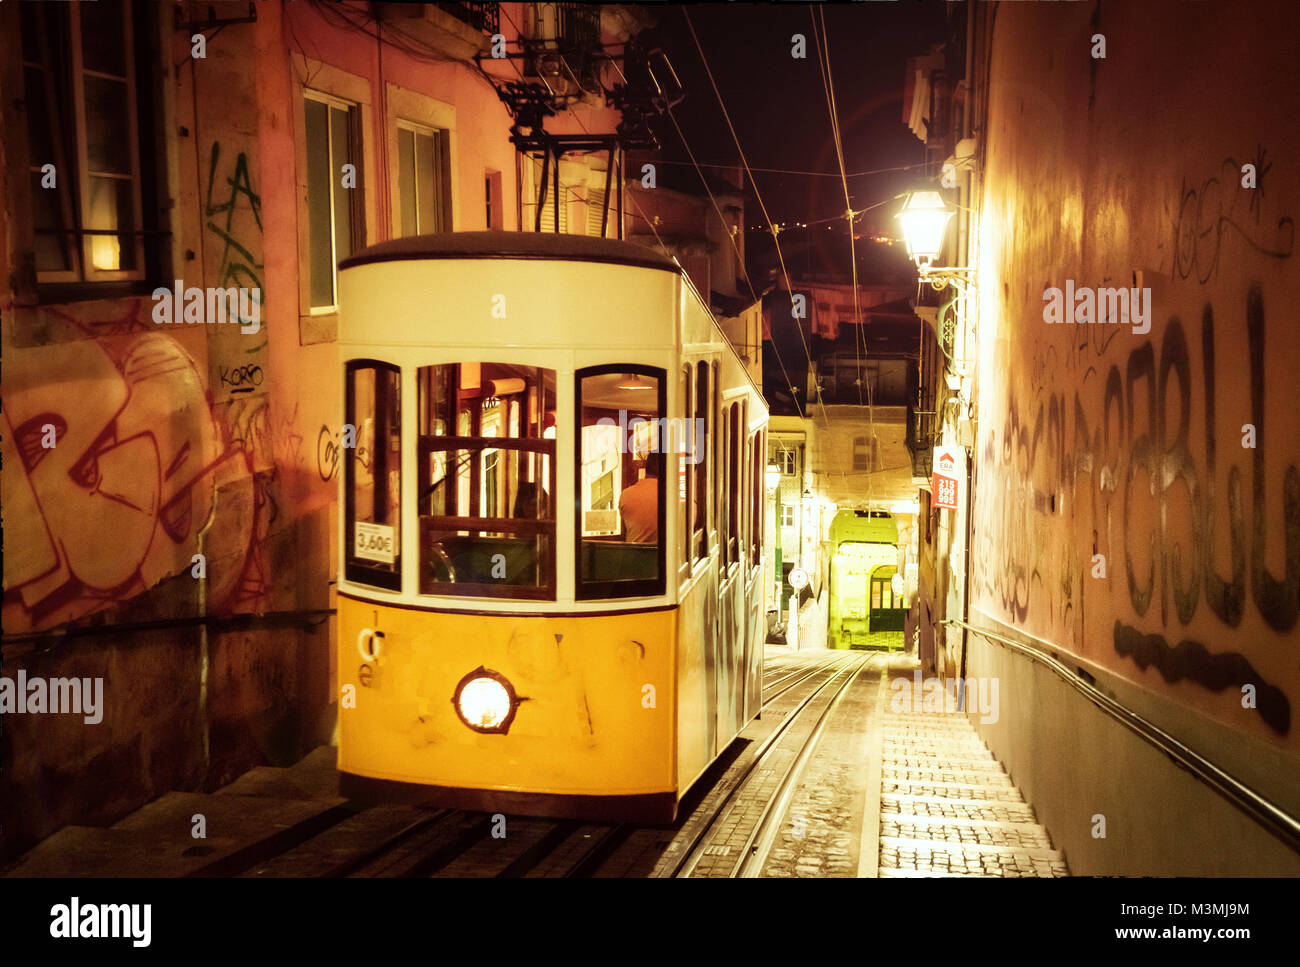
[887, 610]
[732, 612]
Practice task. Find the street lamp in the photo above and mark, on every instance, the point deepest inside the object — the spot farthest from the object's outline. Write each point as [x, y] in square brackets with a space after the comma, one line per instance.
[773, 476]
[924, 219]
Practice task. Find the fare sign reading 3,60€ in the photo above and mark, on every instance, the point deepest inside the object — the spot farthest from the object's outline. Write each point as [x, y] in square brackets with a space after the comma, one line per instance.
[949, 477]
[375, 542]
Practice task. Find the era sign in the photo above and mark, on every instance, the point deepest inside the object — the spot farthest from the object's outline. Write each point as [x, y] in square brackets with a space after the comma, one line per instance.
[949, 479]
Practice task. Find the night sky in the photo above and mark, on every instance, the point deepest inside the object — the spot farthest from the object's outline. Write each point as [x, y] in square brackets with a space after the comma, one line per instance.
[778, 104]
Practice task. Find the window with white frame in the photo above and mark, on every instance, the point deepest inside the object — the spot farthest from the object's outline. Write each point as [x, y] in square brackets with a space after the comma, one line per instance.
[423, 179]
[787, 515]
[83, 116]
[785, 460]
[334, 209]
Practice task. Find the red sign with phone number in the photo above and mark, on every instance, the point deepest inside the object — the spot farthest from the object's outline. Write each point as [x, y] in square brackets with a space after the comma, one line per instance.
[949, 477]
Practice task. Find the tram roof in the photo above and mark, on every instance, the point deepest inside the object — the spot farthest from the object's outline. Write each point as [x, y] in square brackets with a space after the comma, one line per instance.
[511, 245]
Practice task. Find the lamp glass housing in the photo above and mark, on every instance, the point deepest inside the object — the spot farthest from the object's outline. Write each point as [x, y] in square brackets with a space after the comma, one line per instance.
[924, 219]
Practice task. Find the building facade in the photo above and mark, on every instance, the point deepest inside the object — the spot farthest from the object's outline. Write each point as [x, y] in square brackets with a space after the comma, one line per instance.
[170, 464]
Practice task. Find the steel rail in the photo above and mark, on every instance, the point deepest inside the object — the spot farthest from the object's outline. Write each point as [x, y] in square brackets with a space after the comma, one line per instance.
[753, 857]
[691, 855]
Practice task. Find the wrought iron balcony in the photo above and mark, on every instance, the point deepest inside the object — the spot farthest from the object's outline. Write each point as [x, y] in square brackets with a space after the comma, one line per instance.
[920, 440]
[481, 16]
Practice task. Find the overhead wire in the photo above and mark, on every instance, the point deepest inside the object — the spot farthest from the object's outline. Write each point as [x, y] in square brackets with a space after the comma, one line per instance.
[740, 258]
[762, 207]
[809, 174]
[848, 204]
[828, 82]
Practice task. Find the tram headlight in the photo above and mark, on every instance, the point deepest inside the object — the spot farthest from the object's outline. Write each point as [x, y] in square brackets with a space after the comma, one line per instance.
[486, 701]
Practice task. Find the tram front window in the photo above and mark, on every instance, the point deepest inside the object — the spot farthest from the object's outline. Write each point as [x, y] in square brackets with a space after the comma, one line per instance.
[372, 473]
[624, 452]
[487, 480]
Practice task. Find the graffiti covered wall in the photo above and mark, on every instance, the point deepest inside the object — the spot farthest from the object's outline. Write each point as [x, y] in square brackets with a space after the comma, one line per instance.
[1137, 494]
[164, 519]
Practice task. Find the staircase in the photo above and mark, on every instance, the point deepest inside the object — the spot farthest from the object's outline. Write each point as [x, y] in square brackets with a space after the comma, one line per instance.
[947, 807]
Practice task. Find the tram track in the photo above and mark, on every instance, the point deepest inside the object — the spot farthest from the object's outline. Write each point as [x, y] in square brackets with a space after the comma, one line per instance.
[722, 855]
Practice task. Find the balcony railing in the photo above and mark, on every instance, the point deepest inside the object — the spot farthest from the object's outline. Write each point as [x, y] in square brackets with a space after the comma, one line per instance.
[920, 440]
[481, 16]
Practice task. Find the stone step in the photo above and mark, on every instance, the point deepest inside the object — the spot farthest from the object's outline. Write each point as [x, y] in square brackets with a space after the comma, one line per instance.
[941, 763]
[967, 849]
[968, 791]
[917, 819]
[315, 777]
[954, 777]
[938, 806]
[157, 839]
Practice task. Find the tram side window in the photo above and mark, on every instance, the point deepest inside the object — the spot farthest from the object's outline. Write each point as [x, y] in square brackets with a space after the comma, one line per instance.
[703, 411]
[758, 483]
[624, 450]
[733, 478]
[373, 474]
[686, 477]
[487, 480]
[724, 484]
[717, 512]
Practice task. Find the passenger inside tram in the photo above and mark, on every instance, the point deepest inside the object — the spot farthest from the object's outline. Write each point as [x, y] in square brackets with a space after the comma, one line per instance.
[619, 449]
[639, 505]
[487, 527]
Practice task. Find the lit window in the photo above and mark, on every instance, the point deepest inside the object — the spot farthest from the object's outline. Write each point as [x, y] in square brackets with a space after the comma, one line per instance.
[621, 510]
[83, 119]
[373, 474]
[487, 480]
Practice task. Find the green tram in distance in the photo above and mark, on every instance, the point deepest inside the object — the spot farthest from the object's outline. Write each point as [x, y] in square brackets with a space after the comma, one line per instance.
[862, 603]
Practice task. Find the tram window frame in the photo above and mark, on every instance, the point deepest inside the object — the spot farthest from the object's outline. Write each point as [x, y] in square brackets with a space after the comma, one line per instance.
[734, 479]
[589, 589]
[686, 478]
[719, 466]
[429, 442]
[720, 489]
[748, 482]
[758, 517]
[359, 570]
[342, 133]
[700, 512]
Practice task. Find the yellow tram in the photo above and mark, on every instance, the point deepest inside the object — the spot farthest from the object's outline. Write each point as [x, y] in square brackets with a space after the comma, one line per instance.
[550, 593]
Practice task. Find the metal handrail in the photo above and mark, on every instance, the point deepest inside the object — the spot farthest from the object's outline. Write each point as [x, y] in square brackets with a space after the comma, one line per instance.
[1268, 814]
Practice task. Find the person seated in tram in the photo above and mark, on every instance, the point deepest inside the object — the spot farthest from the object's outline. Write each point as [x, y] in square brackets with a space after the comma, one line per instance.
[526, 503]
[638, 505]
